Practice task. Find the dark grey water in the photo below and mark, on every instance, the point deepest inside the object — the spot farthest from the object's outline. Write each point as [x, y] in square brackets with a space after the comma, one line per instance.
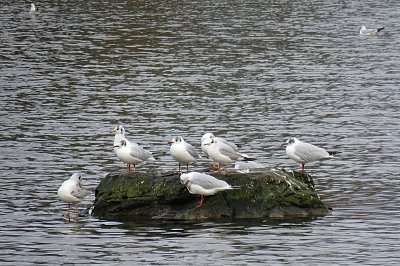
[255, 72]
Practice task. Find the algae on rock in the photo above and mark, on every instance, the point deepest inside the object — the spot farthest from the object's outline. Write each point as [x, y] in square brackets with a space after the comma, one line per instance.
[265, 193]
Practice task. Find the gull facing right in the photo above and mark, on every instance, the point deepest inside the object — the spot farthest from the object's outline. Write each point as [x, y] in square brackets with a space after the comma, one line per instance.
[303, 152]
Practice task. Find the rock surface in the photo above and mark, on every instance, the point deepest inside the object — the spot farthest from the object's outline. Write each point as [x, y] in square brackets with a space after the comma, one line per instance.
[266, 193]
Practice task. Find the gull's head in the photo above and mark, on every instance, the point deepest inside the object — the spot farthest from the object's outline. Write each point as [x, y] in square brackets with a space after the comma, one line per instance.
[118, 130]
[209, 141]
[176, 140]
[77, 177]
[289, 142]
[207, 136]
[185, 179]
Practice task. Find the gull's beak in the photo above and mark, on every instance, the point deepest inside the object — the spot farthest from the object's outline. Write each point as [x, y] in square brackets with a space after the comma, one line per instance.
[284, 145]
[117, 146]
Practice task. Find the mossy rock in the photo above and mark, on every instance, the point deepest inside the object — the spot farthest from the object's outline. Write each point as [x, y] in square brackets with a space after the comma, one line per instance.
[265, 193]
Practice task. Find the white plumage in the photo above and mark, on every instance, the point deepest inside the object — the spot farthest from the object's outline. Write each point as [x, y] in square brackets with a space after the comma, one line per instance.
[369, 32]
[203, 185]
[127, 151]
[72, 192]
[303, 152]
[183, 152]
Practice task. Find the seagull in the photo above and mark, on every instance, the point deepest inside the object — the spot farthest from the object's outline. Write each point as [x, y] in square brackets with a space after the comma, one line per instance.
[127, 151]
[72, 192]
[246, 166]
[369, 32]
[303, 152]
[203, 185]
[207, 136]
[223, 153]
[33, 8]
[183, 152]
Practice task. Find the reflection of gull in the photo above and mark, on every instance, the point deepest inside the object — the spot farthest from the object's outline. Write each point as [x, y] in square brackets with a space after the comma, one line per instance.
[129, 152]
[303, 152]
[245, 166]
[223, 154]
[183, 152]
[365, 31]
[203, 185]
[71, 191]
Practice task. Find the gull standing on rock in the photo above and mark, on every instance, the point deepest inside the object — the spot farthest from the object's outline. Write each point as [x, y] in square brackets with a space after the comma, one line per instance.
[303, 152]
[369, 32]
[183, 152]
[203, 185]
[72, 192]
[223, 153]
[129, 152]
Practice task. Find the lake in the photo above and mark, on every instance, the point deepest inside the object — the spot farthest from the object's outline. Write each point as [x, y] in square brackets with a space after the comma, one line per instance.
[254, 72]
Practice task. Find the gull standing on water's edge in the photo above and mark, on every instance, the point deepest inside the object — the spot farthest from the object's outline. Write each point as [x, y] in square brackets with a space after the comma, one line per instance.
[72, 192]
[183, 152]
[127, 151]
[303, 152]
[203, 185]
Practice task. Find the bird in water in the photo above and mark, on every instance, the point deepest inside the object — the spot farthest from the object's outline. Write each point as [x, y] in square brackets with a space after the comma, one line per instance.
[369, 32]
[72, 192]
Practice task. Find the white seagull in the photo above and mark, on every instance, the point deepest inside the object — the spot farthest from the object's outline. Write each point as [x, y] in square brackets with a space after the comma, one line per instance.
[207, 136]
[203, 185]
[224, 154]
[303, 152]
[129, 152]
[72, 192]
[33, 8]
[369, 32]
[183, 152]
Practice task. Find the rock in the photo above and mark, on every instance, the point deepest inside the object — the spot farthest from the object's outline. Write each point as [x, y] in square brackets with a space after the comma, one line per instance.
[265, 193]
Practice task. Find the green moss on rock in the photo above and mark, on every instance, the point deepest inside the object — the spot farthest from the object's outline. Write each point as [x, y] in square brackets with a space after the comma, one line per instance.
[267, 193]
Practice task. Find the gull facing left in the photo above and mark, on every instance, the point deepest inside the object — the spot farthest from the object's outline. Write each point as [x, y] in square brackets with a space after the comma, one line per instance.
[303, 152]
[72, 192]
[203, 185]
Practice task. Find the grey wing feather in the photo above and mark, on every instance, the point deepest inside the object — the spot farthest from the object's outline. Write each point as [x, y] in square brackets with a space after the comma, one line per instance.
[191, 150]
[309, 152]
[140, 153]
[208, 182]
[80, 192]
[229, 152]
